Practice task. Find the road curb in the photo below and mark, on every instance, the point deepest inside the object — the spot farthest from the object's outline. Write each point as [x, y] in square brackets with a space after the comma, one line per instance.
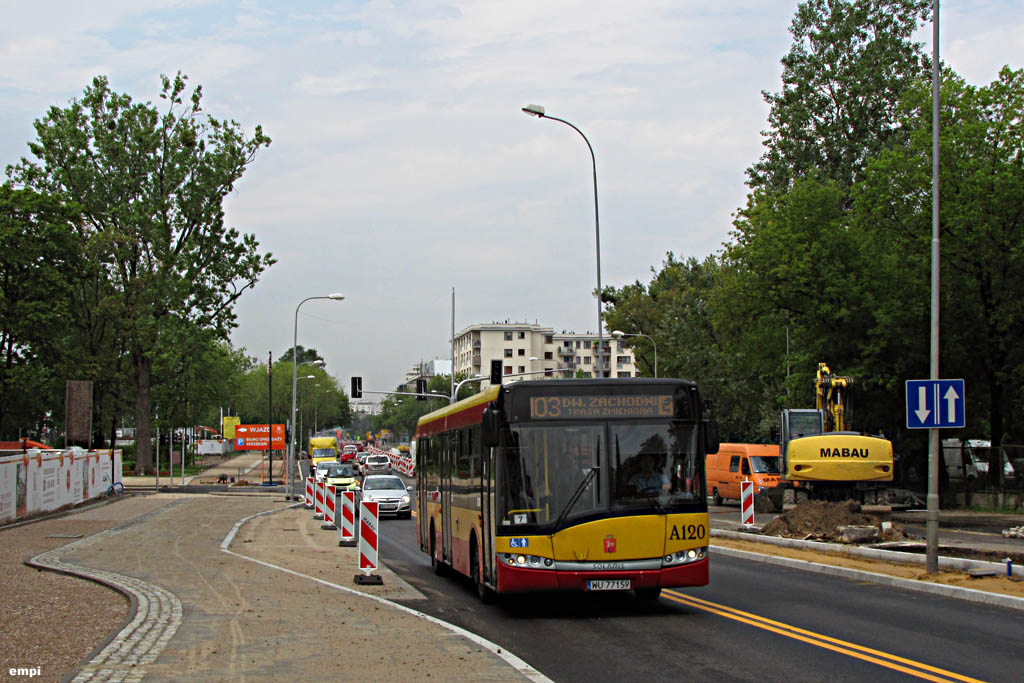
[969, 594]
[515, 662]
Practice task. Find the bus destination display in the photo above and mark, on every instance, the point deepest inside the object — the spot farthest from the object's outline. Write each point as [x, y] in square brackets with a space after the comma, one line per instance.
[576, 407]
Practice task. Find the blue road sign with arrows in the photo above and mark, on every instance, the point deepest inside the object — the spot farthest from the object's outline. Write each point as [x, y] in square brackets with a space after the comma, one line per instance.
[935, 403]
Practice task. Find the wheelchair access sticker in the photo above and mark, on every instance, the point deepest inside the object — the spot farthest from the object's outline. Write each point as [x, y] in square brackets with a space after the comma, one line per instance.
[518, 543]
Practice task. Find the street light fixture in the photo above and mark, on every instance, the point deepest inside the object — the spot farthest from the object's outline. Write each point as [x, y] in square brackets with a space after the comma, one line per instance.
[295, 381]
[538, 111]
[618, 334]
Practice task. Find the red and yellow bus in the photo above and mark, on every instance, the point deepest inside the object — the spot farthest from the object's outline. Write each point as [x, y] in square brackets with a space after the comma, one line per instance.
[572, 485]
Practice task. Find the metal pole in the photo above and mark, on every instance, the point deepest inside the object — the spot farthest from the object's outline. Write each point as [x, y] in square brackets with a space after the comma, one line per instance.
[452, 371]
[932, 559]
[157, 456]
[270, 412]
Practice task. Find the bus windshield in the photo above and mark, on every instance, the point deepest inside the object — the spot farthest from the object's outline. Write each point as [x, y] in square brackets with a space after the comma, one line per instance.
[639, 465]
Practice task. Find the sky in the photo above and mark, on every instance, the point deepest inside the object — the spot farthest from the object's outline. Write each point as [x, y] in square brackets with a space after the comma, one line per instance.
[402, 166]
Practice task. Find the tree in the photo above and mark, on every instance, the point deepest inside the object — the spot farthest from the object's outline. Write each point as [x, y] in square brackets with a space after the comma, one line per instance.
[150, 188]
[304, 356]
[850, 62]
[982, 233]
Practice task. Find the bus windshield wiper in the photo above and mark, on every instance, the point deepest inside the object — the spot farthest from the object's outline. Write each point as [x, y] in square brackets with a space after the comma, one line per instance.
[575, 496]
[653, 500]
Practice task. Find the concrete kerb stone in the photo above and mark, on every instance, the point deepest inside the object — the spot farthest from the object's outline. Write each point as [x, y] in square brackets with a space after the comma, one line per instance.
[512, 660]
[969, 594]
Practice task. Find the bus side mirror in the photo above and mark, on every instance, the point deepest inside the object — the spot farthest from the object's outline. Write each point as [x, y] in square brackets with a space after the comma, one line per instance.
[711, 437]
[490, 425]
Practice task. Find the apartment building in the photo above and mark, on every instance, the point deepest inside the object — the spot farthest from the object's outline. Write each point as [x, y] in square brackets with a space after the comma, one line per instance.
[532, 351]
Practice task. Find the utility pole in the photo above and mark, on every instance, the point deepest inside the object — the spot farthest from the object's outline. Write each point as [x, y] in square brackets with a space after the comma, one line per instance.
[270, 412]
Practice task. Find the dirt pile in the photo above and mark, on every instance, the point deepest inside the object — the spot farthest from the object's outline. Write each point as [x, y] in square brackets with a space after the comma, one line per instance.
[838, 522]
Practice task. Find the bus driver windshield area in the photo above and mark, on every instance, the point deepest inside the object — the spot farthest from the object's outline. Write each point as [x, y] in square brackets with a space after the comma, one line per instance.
[558, 474]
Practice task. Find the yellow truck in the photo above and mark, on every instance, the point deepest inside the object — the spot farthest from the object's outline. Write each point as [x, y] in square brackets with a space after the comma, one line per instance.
[822, 460]
[322, 449]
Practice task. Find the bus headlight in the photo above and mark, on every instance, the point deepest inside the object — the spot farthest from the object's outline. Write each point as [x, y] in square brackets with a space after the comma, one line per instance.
[531, 561]
[684, 557]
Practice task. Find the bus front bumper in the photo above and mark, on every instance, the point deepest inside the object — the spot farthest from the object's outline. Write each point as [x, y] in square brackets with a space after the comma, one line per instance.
[515, 579]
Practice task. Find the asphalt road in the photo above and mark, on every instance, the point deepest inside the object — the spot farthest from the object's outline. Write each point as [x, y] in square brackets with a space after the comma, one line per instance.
[754, 622]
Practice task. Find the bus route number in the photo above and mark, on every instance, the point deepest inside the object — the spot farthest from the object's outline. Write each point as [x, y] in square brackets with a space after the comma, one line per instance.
[688, 532]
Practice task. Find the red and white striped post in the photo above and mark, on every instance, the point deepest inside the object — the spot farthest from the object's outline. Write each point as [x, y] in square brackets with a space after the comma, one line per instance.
[368, 540]
[347, 515]
[747, 503]
[330, 501]
[318, 510]
[309, 492]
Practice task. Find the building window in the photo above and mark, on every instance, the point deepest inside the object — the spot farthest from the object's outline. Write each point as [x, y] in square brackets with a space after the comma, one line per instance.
[508, 353]
[578, 361]
[508, 369]
[618, 347]
[508, 336]
[625, 359]
[577, 343]
[548, 339]
[625, 374]
[522, 368]
[522, 352]
[586, 360]
[522, 335]
[547, 373]
[548, 355]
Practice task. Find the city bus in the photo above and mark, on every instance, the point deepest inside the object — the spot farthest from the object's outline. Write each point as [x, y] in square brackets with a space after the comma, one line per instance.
[568, 485]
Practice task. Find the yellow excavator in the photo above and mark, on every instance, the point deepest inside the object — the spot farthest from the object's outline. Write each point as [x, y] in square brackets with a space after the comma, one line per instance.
[822, 460]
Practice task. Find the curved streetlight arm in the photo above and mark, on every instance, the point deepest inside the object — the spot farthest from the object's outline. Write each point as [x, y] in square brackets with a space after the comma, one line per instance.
[455, 391]
[538, 111]
[295, 382]
[617, 333]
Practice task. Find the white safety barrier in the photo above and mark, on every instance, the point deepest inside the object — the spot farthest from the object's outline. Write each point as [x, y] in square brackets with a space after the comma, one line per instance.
[347, 515]
[747, 503]
[399, 462]
[330, 502]
[309, 492]
[368, 542]
[318, 504]
[43, 480]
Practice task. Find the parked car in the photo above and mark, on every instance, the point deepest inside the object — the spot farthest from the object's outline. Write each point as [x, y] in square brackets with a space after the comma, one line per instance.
[377, 464]
[349, 453]
[391, 494]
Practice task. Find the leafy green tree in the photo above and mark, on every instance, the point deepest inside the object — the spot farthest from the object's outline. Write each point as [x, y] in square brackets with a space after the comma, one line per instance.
[303, 356]
[150, 188]
[849, 64]
[982, 233]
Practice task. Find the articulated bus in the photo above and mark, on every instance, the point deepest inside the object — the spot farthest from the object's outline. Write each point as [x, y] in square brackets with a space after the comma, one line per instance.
[571, 485]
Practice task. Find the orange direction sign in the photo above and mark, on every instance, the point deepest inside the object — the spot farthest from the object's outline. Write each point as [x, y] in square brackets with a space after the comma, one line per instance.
[254, 437]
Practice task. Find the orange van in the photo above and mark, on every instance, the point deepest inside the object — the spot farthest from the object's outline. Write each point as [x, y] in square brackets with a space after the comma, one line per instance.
[734, 462]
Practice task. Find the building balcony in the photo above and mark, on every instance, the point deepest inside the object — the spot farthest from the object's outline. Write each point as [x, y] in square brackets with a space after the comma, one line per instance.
[566, 351]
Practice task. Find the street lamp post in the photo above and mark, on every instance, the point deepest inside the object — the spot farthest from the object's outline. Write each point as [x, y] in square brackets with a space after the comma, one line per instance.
[619, 334]
[538, 111]
[295, 381]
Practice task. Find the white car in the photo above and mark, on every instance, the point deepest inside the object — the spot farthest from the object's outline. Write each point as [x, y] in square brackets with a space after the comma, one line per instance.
[321, 469]
[391, 494]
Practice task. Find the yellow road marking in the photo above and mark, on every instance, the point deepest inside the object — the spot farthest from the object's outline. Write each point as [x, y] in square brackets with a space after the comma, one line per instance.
[834, 644]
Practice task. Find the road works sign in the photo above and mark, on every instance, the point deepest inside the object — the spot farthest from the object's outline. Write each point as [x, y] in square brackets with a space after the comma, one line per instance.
[935, 403]
[254, 437]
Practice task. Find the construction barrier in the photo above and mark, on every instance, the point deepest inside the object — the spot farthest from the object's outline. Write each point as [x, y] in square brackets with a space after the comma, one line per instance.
[330, 501]
[347, 515]
[400, 462]
[368, 541]
[310, 482]
[318, 503]
[36, 481]
[747, 503]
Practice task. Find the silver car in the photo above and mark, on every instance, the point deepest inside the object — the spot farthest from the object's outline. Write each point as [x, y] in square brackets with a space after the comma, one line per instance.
[377, 464]
[391, 494]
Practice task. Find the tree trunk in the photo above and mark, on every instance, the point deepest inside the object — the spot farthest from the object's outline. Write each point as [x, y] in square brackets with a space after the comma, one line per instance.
[143, 441]
[995, 454]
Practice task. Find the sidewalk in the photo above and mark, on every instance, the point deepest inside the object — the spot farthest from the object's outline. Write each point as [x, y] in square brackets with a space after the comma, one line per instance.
[207, 614]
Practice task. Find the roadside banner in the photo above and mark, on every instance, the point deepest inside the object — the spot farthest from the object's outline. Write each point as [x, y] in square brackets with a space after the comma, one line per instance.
[330, 500]
[347, 514]
[309, 492]
[368, 541]
[747, 503]
[318, 503]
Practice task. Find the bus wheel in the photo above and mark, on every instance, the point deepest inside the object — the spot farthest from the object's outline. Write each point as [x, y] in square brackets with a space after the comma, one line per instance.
[647, 594]
[716, 497]
[435, 564]
[485, 594]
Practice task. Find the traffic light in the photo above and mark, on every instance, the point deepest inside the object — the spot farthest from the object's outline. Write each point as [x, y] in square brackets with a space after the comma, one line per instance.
[421, 388]
[357, 387]
[495, 371]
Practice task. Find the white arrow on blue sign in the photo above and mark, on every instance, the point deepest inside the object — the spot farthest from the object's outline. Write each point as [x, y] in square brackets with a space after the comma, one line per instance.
[935, 403]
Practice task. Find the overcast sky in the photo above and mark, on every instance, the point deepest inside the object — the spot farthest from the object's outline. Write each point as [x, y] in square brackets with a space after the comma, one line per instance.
[402, 167]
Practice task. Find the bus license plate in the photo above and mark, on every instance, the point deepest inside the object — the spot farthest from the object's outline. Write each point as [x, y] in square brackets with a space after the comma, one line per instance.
[609, 585]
